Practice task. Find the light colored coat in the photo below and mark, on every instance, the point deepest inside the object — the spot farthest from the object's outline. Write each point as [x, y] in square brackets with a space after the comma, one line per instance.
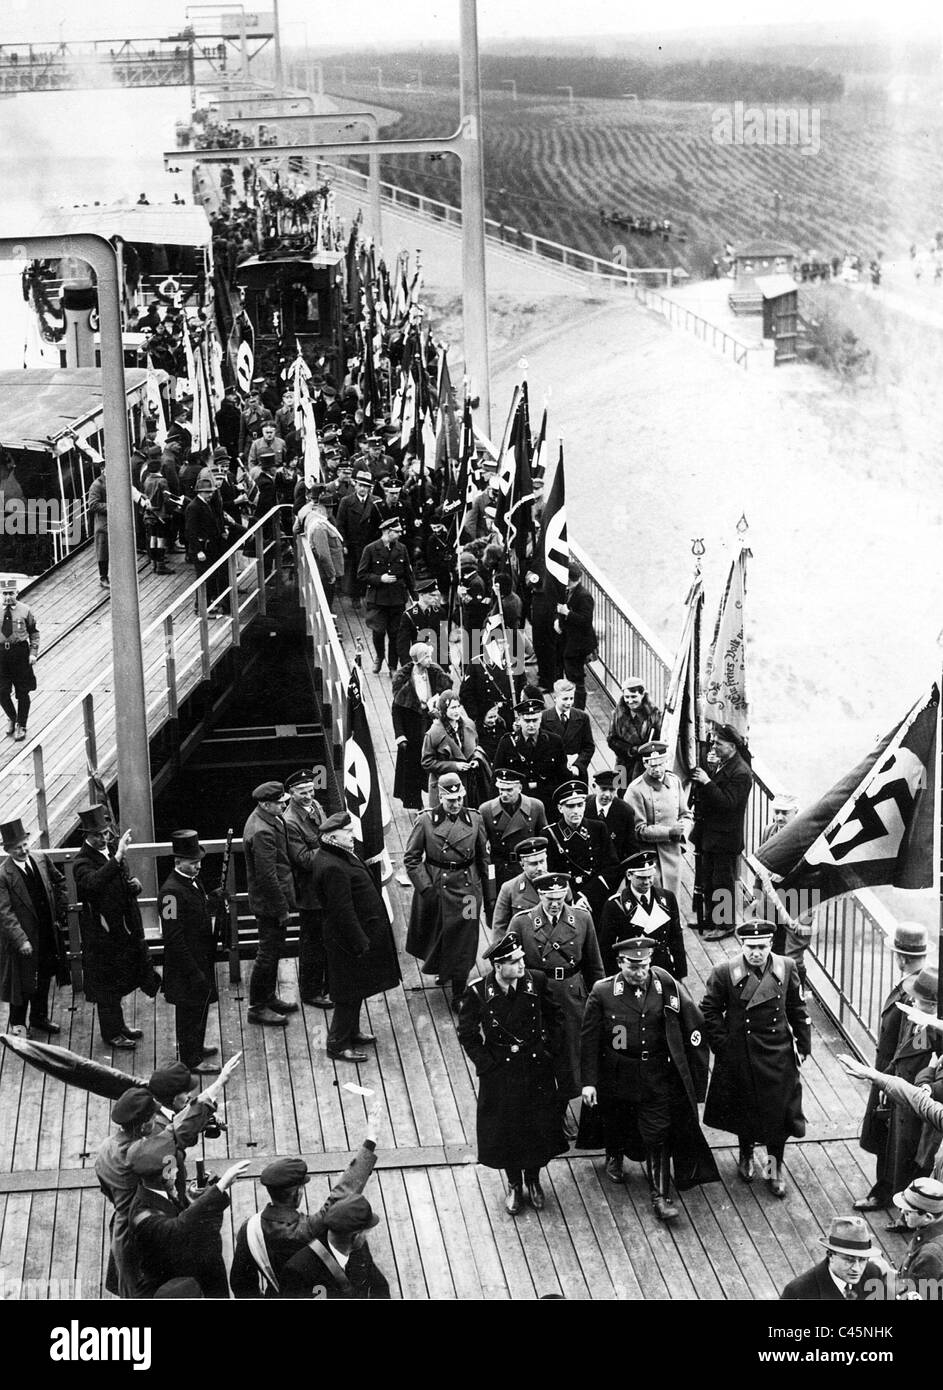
[657, 807]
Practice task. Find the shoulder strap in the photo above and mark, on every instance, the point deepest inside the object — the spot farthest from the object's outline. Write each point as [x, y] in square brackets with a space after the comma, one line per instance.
[328, 1260]
[259, 1250]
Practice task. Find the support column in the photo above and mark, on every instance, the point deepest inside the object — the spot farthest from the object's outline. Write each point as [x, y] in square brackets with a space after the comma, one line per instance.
[474, 291]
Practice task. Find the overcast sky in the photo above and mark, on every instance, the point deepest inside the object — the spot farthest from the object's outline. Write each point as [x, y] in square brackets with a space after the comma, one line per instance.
[364, 22]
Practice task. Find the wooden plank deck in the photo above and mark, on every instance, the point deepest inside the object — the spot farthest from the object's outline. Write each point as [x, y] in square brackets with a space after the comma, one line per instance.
[444, 1232]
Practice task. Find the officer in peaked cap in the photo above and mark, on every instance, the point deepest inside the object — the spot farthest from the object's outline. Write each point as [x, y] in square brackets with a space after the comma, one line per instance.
[519, 893]
[559, 938]
[661, 814]
[581, 847]
[448, 863]
[509, 1025]
[509, 818]
[303, 817]
[640, 908]
[644, 1071]
[608, 807]
[757, 1025]
[534, 752]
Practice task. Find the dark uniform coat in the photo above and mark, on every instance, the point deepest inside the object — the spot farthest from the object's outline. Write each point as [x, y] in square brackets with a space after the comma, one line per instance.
[358, 937]
[415, 622]
[412, 721]
[304, 839]
[665, 1021]
[659, 920]
[378, 559]
[511, 1039]
[755, 1027]
[186, 925]
[924, 1261]
[486, 686]
[568, 954]
[448, 863]
[114, 955]
[541, 763]
[506, 827]
[584, 851]
[619, 821]
[20, 922]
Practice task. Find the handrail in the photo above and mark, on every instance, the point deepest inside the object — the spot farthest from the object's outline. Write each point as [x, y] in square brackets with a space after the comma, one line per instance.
[849, 960]
[672, 311]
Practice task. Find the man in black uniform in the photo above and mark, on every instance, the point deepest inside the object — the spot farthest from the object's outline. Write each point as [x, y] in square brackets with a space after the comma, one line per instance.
[639, 908]
[488, 685]
[759, 1030]
[19, 649]
[581, 848]
[385, 571]
[303, 819]
[509, 1026]
[510, 818]
[533, 752]
[186, 925]
[644, 1061]
[611, 811]
[421, 622]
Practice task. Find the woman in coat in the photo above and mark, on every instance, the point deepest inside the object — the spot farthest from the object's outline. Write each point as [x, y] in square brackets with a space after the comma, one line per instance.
[451, 745]
[635, 721]
[416, 688]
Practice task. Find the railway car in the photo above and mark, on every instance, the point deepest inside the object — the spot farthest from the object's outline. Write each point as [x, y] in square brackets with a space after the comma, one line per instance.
[295, 296]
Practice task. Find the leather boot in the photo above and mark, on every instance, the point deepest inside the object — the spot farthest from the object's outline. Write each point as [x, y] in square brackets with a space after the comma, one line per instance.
[745, 1166]
[614, 1168]
[535, 1193]
[660, 1169]
[514, 1201]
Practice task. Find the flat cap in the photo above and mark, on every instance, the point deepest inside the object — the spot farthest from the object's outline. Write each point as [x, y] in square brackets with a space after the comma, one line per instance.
[351, 1214]
[339, 821]
[133, 1106]
[167, 1082]
[284, 1172]
[268, 791]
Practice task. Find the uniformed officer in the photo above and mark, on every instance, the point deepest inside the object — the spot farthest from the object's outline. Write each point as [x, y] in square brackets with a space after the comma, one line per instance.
[19, 649]
[386, 573]
[509, 1026]
[639, 908]
[535, 753]
[581, 847]
[186, 925]
[447, 860]
[759, 1031]
[644, 1062]
[519, 892]
[421, 622]
[560, 939]
[488, 684]
[510, 818]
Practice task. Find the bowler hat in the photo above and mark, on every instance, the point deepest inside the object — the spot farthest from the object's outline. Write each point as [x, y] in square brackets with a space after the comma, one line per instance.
[12, 832]
[923, 1194]
[339, 821]
[506, 949]
[351, 1214]
[927, 985]
[268, 791]
[185, 844]
[133, 1106]
[169, 1081]
[95, 818]
[910, 939]
[849, 1235]
[285, 1172]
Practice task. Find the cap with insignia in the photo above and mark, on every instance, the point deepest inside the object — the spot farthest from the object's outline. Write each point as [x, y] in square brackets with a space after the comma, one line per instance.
[759, 930]
[636, 948]
[390, 522]
[363, 475]
[654, 745]
[508, 774]
[508, 948]
[571, 793]
[390, 481]
[268, 791]
[643, 859]
[302, 778]
[530, 848]
[426, 586]
[552, 883]
[284, 1172]
[605, 778]
[450, 782]
[339, 821]
[526, 707]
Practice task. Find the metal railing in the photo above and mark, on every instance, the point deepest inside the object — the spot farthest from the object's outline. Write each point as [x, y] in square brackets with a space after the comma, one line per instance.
[54, 773]
[850, 961]
[681, 317]
[328, 654]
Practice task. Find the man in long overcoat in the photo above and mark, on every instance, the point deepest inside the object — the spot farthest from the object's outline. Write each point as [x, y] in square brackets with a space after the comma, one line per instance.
[448, 863]
[560, 939]
[758, 1028]
[32, 946]
[581, 848]
[916, 1044]
[644, 1071]
[662, 818]
[533, 752]
[509, 1026]
[910, 954]
[186, 925]
[722, 797]
[272, 899]
[303, 820]
[358, 937]
[114, 954]
[508, 819]
[639, 908]
[385, 572]
[355, 519]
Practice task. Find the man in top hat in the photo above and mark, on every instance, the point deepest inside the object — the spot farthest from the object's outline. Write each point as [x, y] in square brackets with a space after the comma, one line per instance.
[32, 942]
[509, 1025]
[205, 531]
[355, 519]
[358, 936]
[606, 806]
[508, 819]
[644, 1064]
[722, 799]
[758, 1027]
[910, 957]
[532, 751]
[572, 726]
[271, 898]
[640, 908]
[559, 938]
[338, 1264]
[581, 847]
[186, 925]
[421, 620]
[921, 1206]
[448, 862]
[387, 576]
[267, 1241]
[115, 961]
[19, 650]
[662, 817]
[303, 820]
[849, 1272]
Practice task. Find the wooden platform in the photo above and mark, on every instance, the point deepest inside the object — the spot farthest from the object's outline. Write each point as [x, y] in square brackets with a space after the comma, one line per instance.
[444, 1232]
